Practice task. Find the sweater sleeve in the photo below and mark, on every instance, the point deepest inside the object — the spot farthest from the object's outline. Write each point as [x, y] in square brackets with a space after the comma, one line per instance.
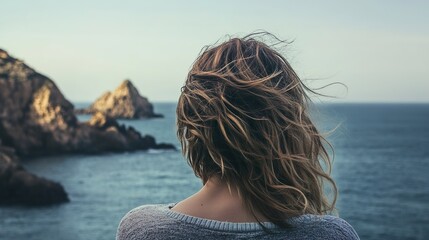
[343, 230]
[129, 227]
[124, 229]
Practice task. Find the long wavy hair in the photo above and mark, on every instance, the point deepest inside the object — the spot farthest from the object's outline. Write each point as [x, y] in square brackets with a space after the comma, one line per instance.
[243, 116]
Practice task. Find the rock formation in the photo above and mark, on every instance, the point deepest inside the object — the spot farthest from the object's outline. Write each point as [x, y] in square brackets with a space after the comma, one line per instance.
[17, 186]
[125, 102]
[36, 119]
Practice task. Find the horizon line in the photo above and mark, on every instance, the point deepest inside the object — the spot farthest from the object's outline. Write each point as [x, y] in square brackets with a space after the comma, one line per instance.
[337, 102]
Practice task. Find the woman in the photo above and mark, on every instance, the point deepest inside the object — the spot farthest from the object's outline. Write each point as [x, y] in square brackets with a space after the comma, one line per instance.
[245, 130]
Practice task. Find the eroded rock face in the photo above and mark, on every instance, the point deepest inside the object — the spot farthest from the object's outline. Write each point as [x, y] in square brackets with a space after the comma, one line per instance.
[34, 115]
[125, 102]
[17, 186]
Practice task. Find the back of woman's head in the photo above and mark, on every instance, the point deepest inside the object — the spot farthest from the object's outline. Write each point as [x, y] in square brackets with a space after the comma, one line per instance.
[243, 117]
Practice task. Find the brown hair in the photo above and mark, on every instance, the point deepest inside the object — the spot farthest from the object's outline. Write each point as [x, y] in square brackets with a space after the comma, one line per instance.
[243, 116]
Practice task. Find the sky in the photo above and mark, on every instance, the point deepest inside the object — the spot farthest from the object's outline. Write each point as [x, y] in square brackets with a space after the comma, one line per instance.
[379, 50]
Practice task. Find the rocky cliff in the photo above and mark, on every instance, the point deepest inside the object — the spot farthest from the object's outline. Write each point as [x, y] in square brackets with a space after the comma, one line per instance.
[125, 102]
[36, 119]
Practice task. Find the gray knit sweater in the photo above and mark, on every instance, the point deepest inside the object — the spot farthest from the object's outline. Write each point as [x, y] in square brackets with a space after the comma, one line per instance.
[159, 222]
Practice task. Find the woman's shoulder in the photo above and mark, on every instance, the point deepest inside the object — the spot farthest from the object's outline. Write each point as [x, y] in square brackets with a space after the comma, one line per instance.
[145, 209]
[139, 220]
[329, 226]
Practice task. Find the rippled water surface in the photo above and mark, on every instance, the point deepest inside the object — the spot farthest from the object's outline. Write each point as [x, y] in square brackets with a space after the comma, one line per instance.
[381, 167]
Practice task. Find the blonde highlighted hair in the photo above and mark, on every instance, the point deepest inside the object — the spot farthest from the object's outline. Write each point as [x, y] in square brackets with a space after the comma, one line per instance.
[243, 116]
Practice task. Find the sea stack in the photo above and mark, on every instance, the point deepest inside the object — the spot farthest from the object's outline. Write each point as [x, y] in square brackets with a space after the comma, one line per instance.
[37, 120]
[123, 103]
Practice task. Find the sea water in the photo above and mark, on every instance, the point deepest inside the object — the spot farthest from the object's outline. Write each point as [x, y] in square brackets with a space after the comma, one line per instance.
[381, 166]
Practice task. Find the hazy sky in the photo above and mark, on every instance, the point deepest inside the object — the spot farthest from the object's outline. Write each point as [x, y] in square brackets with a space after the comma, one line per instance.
[379, 49]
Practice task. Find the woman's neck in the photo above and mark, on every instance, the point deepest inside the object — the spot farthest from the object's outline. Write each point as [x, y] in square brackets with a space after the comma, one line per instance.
[217, 202]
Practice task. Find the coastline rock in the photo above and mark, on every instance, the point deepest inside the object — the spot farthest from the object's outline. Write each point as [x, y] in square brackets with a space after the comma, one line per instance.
[125, 102]
[107, 133]
[17, 186]
[34, 115]
[37, 120]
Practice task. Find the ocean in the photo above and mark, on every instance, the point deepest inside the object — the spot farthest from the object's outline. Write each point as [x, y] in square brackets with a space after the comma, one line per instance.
[381, 166]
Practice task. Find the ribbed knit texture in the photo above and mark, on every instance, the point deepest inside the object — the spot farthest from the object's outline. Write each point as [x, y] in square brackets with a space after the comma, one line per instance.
[160, 222]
